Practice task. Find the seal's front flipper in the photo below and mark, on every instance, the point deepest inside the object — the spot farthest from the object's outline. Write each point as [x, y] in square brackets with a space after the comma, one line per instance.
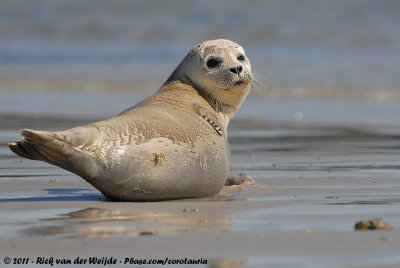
[57, 149]
[238, 179]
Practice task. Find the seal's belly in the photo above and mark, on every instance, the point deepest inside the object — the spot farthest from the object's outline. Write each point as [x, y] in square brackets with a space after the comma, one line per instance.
[136, 168]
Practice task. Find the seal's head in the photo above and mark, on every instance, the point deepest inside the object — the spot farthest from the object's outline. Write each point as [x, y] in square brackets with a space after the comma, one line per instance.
[220, 71]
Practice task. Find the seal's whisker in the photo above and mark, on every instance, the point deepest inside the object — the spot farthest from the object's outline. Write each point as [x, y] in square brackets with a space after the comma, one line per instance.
[259, 86]
[255, 82]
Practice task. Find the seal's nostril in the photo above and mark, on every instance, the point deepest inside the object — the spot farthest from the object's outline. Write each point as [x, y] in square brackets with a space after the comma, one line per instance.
[236, 70]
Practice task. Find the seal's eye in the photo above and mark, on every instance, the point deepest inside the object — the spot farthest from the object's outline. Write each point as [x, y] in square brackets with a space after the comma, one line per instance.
[213, 63]
[240, 57]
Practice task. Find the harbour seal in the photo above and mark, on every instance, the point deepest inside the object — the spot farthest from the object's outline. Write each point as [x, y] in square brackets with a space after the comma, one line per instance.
[171, 145]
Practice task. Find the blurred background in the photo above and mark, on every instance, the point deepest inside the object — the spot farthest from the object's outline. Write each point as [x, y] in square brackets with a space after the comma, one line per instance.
[318, 49]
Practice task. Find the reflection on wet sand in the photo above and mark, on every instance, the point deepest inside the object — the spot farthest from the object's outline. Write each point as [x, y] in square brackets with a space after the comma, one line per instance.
[98, 222]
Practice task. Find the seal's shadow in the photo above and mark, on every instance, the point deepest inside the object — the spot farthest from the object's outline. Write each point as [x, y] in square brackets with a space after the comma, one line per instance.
[54, 195]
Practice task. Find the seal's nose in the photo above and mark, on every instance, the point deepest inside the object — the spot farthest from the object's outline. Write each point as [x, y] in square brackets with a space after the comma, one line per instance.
[236, 70]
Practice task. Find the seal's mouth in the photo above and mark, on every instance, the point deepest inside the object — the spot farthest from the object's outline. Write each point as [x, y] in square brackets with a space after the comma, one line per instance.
[238, 83]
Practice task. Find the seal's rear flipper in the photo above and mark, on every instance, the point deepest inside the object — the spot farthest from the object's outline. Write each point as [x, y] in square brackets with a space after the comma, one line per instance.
[25, 150]
[56, 148]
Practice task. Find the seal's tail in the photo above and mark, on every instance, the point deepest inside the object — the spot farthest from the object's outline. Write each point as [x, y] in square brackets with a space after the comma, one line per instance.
[57, 148]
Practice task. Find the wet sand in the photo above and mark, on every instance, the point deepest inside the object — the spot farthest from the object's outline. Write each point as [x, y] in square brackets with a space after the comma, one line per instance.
[319, 167]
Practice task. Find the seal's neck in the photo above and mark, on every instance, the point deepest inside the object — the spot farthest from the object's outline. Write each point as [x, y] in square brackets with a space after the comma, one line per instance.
[190, 96]
[224, 110]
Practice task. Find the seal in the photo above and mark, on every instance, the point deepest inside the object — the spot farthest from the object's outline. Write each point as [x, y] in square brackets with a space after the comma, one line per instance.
[172, 145]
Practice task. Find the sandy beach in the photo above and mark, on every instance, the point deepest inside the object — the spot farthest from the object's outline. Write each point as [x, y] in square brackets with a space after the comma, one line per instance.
[314, 180]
